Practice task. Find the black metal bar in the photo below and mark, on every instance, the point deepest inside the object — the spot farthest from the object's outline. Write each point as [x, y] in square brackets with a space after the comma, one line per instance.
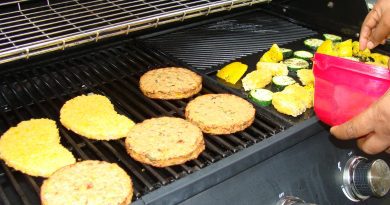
[15, 185]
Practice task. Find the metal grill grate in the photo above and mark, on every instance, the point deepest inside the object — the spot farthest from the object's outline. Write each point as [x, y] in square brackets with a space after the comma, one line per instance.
[210, 45]
[39, 27]
[40, 91]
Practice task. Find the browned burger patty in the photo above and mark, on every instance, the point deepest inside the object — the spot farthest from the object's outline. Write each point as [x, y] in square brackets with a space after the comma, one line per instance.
[164, 141]
[220, 113]
[170, 83]
[88, 182]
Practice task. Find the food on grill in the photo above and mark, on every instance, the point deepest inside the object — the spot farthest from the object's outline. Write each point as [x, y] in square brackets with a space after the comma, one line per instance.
[88, 182]
[280, 82]
[93, 116]
[351, 50]
[262, 97]
[327, 48]
[220, 113]
[332, 37]
[170, 83]
[293, 100]
[274, 55]
[294, 64]
[232, 72]
[257, 79]
[362, 55]
[275, 68]
[287, 53]
[305, 55]
[380, 59]
[164, 141]
[313, 43]
[306, 76]
[33, 147]
[344, 49]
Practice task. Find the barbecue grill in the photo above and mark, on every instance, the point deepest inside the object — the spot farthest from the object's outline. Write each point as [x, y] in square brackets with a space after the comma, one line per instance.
[43, 64]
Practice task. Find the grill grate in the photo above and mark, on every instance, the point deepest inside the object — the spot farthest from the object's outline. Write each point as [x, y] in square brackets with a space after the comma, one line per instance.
[40, 91]
[32, 28]
[213, 44]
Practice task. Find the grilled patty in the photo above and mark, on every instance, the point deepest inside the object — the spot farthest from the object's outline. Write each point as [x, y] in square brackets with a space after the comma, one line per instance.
[89, 183]
[33, 147]
[170, 83]
[164, 141]
[93, 116]
[220, 113]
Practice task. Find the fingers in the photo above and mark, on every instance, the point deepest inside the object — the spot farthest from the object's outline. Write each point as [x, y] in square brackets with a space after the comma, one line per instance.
[373, 144]
[379, 34]
[357, 127]
[370, 22]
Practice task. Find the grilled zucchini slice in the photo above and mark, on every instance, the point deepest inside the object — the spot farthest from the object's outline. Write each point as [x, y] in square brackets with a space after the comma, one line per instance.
[294, 64]
[313, 43]
[305, 55]
[332, 37]
[287, 53]
[280, 82]
[262, 97]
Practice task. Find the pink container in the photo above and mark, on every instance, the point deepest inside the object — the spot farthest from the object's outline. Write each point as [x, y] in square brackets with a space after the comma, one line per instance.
[344, 88]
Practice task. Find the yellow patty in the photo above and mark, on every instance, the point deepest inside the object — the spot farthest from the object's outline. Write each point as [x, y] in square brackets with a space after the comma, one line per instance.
[220, 113]
[88, 182]
[170, 83]
[165, 141]
[33, 147]
[94, 117]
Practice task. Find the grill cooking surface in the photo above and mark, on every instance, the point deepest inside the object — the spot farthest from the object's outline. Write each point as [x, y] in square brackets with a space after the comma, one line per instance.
[206, 46]
[39, 91]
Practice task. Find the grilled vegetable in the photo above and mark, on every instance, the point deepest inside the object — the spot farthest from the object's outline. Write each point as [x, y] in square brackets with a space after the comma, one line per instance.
[327, 48]
[380, 59]
[262, 97]
[280, 82]
[232, 72]
[344, 49]
[256, 79]
[293, 100]
[313, 43]
[306, 76]
[274, 55]
[356, 52]
[294, 64]
[287, 53]
[305, 55]
[274, 68]
[332, 37]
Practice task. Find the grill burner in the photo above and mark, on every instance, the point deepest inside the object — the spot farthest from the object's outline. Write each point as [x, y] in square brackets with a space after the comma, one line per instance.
[41, 90]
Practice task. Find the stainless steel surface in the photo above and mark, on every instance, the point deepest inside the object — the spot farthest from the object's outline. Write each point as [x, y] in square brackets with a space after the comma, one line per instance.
[49, 26]
[348, 183]
[373, 176]
[292, 200]
[379, 177]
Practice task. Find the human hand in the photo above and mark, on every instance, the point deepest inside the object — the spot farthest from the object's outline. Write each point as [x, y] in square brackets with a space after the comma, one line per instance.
[376, 26]
[371, 128]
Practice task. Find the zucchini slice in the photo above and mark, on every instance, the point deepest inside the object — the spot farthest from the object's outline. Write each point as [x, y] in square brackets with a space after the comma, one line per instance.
[294, 64]
[262, 97]
[305, 55]
[313, 43]
[332, 37]
[287, 53]
[280, 82]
